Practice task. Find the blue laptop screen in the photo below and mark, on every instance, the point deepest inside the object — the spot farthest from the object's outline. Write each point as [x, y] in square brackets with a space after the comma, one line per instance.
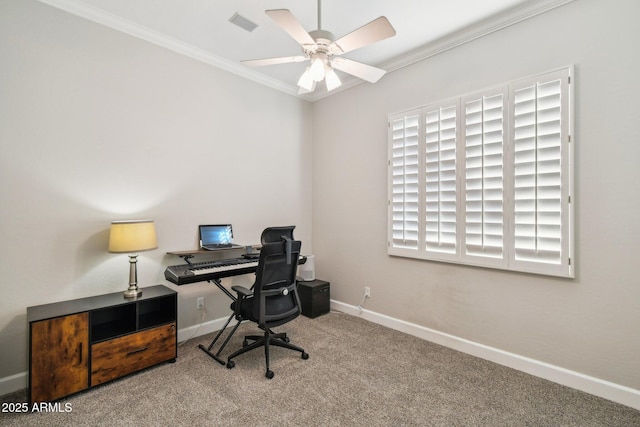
[216, 234]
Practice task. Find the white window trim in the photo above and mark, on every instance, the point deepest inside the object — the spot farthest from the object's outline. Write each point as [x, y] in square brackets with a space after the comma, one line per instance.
[508, 260]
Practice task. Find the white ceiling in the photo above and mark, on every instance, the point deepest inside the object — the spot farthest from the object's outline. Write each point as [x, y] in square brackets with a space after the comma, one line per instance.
[201, 29]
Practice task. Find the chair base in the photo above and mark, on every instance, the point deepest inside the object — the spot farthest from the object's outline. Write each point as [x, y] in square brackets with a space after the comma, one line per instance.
[268, 339]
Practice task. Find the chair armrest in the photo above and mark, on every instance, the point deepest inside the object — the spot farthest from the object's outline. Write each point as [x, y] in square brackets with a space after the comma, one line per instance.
[242, 291]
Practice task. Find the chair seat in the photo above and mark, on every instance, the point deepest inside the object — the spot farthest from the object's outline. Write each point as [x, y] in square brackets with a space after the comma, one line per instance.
[275, 306]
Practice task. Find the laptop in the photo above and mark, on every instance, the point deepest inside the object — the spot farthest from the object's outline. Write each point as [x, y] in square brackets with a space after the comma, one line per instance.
[213, 237]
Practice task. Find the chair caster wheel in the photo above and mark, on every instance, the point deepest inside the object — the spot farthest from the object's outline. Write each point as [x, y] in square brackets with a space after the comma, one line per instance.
[231, 364]
[305, 356]
[269, 374]
[286, 339]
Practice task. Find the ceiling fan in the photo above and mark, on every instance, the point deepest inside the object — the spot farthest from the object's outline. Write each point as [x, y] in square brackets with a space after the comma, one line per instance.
[321, 48]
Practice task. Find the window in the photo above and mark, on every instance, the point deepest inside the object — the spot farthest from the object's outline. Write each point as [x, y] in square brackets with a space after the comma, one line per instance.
[486, 179]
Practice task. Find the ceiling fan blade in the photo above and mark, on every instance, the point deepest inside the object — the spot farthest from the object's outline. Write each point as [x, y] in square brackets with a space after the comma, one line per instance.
[285, 19]
[374, 31]
[358, 69]
[274, 61]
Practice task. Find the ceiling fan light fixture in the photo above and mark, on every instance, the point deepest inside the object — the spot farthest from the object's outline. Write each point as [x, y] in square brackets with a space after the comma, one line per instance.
[306, 81]
[317, 66]
[332, 80]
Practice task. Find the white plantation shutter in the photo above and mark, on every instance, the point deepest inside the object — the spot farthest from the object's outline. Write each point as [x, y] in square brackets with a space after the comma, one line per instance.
[404, 171]
[440, 178]
[541, 185]
[484, 133]
[486, 179]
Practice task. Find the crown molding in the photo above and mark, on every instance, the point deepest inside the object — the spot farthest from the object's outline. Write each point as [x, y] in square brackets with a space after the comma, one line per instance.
[458, 38]
[100, 16]
[475, 31]
[468, 34]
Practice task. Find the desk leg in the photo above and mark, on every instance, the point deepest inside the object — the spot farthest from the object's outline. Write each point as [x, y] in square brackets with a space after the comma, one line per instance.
[223, 289]
[207, 350]
[216, 356]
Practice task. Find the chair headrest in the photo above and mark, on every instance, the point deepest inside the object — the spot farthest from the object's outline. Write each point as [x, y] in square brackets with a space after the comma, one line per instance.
[275, 234]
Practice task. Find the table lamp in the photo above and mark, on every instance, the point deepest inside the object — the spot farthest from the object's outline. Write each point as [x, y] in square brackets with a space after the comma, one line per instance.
[132, 237]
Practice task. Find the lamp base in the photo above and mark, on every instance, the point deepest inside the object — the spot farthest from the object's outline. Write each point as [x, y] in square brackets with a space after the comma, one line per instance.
[133, 293]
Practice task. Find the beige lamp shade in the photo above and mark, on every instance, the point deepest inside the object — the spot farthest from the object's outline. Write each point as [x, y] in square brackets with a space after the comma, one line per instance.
[132, 236]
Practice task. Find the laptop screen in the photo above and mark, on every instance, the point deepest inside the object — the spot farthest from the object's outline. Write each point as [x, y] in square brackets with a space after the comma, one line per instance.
[216, 234]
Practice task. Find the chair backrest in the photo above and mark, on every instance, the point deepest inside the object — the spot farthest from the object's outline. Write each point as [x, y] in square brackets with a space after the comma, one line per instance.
[275, 293]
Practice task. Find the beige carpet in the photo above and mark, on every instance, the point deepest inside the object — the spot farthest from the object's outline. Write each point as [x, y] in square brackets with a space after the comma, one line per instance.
[358, 374]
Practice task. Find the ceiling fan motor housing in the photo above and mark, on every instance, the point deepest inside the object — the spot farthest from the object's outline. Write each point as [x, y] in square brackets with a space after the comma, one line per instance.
[323, 39]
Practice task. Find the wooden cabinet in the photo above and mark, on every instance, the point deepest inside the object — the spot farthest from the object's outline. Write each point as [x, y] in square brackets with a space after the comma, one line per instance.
[78, 344]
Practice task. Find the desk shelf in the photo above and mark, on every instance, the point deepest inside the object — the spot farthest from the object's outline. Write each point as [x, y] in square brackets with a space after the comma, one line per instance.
[204, 251]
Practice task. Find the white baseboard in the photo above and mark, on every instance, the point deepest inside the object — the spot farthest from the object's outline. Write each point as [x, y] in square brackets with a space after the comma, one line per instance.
[14, 383]
[601, 388]
[202, 329]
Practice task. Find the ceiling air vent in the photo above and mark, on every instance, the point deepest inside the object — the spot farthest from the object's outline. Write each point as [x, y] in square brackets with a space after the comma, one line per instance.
[242, 22]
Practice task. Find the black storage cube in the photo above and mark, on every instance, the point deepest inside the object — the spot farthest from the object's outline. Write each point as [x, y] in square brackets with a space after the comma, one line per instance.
[314, 297]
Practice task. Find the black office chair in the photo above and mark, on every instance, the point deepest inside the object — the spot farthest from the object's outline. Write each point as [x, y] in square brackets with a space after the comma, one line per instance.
[274, 300]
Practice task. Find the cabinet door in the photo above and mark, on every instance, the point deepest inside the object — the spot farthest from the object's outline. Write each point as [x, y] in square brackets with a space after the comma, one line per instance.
[59, 357]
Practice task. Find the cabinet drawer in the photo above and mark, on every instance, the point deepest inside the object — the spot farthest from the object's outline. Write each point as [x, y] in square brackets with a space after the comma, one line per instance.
[121, 356]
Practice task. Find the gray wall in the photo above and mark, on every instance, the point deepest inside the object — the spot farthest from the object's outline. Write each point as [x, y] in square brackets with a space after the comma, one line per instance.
[95, 126]
[588, 325]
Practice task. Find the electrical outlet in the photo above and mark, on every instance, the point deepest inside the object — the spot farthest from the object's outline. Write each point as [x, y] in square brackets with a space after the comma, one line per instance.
[200, 303]
[367, 292]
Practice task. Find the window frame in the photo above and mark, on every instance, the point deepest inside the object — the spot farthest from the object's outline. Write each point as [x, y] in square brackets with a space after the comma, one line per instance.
[489, 170]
